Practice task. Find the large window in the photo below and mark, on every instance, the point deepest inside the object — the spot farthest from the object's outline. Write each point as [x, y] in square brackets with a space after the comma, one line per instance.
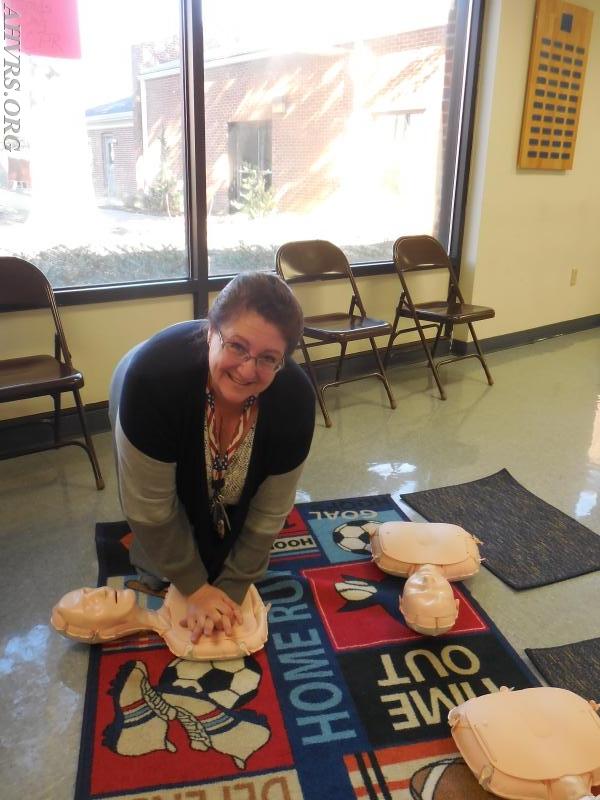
[92, 183]
[335, 119]
[357, 98]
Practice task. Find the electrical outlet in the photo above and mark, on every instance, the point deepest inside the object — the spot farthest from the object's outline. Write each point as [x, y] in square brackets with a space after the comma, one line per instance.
[573, 280]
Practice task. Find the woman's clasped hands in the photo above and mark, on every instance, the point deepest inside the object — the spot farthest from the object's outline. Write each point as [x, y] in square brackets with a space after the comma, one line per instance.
[209, 609]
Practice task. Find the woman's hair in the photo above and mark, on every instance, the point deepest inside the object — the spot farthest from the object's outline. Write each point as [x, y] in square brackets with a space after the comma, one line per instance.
[266, 295]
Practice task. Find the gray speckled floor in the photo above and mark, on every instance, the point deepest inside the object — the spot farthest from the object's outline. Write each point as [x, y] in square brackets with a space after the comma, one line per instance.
[541, 420]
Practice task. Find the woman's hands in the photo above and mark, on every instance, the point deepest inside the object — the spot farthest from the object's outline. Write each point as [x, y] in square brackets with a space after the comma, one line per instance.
[210, 609]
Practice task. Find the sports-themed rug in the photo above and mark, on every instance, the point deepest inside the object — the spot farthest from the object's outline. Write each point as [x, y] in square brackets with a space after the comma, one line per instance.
[526, 542]
[574, 666]
[344, 701]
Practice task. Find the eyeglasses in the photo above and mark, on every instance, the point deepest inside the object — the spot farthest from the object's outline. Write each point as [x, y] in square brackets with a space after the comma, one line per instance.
[265, 363]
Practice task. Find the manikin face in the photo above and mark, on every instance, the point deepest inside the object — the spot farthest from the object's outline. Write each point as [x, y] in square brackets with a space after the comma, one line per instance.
[96, 608]
[429, 591]
[234, 380]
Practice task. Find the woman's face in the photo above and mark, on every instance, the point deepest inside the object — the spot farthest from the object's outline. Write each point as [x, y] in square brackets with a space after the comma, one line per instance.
[233, 379]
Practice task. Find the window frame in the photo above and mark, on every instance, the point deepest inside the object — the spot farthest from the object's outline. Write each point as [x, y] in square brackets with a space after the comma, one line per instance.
[199, 283]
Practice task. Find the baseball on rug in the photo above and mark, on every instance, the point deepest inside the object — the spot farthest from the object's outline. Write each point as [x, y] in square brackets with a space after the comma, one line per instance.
[344, 701]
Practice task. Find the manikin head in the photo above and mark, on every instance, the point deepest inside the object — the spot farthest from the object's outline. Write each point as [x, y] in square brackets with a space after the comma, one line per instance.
[428, 604]
[104, 614]
[429, 554]
[95, 614]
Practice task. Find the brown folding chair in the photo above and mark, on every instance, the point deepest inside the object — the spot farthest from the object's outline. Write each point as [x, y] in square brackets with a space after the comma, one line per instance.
[320, 260]
[24, 287]
[413, 254]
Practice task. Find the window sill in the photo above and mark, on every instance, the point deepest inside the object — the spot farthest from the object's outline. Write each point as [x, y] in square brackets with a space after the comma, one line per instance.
[376, 268]
[136, 291]
[129, 291]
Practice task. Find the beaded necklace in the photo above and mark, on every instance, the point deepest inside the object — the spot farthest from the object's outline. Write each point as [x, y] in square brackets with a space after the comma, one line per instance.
[220, 461]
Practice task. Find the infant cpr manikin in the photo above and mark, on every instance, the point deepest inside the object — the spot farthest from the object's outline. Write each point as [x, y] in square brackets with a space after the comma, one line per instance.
[429, 554]
[531, 744]
[104, 614]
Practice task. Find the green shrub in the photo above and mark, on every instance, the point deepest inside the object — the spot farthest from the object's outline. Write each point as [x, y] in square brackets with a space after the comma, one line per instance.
[256, 199]
[82, 266]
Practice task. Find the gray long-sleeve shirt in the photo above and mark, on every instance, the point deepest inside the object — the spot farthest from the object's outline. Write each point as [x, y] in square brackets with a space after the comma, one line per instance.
[157, 408]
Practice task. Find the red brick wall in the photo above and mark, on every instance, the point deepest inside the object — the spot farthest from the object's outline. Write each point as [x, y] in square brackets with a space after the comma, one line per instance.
[319, 95]
[164, 110]
[246, 91]
[425, 37]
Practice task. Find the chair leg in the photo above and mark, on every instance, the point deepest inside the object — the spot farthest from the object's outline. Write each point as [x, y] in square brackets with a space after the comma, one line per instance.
[313, 378]
[437, 339]
[382, 373]
[338, 372]
[388, 349]
[56, 426]
[490, 380]
[88, 441]
[429, 358]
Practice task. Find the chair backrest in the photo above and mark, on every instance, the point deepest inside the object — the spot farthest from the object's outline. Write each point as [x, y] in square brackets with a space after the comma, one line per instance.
[421, 253]
[315, 259]
[22, 287]
[412, 253]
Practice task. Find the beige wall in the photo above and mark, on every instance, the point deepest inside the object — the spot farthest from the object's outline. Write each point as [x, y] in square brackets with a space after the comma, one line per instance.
[98, 336]
[525, 230]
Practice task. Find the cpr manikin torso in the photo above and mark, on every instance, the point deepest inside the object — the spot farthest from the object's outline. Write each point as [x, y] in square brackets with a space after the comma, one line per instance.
[534, 744]
[104, 614]
[429, 554]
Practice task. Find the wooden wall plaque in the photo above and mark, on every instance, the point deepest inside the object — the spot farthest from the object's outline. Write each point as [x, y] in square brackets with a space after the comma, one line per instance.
[557, 65]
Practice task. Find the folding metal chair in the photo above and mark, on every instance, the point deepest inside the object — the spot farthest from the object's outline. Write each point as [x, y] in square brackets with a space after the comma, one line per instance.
[413, 254]
[319, 260]
[24, 287]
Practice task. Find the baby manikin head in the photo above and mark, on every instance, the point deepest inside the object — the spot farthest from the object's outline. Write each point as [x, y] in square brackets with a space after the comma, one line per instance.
[428, 604]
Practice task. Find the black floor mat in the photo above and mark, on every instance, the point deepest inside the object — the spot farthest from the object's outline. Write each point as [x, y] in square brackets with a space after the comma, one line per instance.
[571, 666]
[526, 541]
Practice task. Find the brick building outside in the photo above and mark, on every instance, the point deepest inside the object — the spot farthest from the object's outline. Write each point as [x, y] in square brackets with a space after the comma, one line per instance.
[354, 119]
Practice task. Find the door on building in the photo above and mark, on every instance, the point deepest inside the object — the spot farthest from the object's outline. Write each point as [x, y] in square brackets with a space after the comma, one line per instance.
[109, 146]
[249, 158]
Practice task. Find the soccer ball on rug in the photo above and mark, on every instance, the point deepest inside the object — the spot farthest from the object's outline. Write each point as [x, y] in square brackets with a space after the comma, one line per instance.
[226, 684]
[354, 537]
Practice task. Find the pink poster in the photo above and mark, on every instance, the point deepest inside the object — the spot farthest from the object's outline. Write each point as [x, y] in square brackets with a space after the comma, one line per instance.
[43, 27]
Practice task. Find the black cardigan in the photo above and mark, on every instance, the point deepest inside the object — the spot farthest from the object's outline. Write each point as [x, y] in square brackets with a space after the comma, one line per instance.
[161, 412]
